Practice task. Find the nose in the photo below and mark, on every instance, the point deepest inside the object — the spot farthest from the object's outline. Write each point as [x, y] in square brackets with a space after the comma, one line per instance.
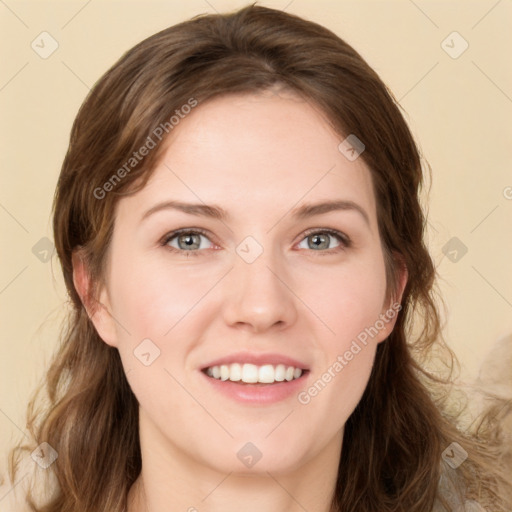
[258, 295]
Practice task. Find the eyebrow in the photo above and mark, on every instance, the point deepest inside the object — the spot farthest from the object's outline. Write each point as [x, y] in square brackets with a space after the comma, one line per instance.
[216, 212]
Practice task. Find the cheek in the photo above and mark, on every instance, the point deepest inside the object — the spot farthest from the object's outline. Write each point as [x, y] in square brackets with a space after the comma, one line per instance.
[348, 299]
[339, 388]
[151, 296]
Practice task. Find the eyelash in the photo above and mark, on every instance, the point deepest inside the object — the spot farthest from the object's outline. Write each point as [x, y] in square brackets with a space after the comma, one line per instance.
[345, 242]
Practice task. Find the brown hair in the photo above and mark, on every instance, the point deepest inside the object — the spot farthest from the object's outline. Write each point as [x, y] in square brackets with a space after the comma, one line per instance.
[391, 458]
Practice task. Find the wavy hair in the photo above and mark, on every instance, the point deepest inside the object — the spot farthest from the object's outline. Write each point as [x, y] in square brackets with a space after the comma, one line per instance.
[391, 458]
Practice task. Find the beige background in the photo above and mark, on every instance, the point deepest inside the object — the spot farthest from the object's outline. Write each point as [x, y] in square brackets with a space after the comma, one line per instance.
[459, 110]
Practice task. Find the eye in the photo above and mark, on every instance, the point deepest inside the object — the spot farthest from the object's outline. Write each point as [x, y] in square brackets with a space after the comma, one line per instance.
[319, 240]
[190, 241]
[186, 240]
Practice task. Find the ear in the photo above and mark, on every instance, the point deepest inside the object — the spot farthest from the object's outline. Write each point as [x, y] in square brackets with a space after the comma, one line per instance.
[98, 309]
[390, 310]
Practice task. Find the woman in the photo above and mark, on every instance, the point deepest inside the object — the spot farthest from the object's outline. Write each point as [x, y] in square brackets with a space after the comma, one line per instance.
[239, 228]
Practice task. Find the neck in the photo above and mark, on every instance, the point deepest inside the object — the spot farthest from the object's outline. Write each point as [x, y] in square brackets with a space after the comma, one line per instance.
[171, 480]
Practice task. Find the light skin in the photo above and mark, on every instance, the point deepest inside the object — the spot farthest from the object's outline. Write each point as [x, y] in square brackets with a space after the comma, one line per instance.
[260, 158]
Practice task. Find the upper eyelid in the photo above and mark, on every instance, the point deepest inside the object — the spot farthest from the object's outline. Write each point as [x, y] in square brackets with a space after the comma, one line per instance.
[331, 231]
[196, 231]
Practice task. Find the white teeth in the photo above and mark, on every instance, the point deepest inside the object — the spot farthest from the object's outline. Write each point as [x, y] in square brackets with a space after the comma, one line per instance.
[280, 372]
[266, 374]
[235, 372]
[251, 373]
[224, 372]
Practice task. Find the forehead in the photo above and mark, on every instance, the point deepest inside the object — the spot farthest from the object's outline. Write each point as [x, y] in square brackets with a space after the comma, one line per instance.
[255, 154]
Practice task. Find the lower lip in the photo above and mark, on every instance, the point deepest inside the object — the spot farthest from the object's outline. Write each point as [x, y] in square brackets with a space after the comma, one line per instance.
[258, 393]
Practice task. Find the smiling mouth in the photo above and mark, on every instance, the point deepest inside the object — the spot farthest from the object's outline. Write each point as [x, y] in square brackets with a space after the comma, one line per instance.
[255, 375]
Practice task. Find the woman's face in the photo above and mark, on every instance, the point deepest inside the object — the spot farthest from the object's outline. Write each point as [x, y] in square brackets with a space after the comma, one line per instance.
[268, 282]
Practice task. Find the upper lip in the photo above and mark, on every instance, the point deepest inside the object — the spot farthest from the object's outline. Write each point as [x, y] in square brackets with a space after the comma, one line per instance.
[258, 359]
